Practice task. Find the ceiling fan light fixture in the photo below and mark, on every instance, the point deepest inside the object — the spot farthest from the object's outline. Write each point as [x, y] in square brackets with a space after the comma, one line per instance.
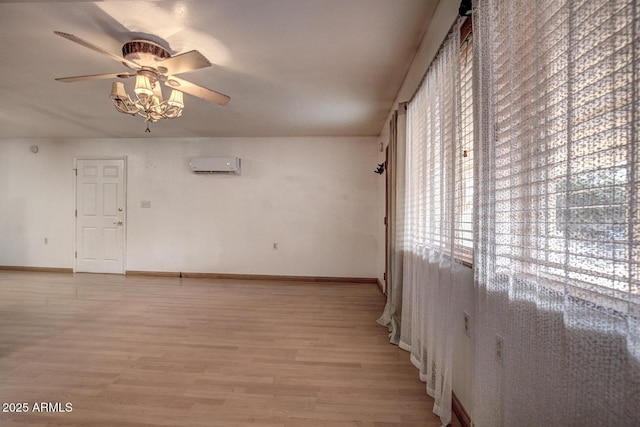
[143, 86]
[176, 99]
[152, 64]
[147, 103]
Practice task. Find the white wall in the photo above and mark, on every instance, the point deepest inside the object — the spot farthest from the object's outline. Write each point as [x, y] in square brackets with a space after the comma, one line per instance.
[315, 197]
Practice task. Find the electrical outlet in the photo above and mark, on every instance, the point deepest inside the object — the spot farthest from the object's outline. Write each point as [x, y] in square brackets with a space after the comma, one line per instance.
[467, 324]
[499, 346]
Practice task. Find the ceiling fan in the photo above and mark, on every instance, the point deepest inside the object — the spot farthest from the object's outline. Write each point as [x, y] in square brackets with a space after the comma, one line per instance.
[151, 63]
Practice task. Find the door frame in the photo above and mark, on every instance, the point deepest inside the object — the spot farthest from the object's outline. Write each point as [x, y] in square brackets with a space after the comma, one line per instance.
[74, 212]
[388, 215]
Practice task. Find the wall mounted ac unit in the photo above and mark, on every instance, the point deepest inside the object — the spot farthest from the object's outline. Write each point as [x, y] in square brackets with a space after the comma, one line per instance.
[218, 165]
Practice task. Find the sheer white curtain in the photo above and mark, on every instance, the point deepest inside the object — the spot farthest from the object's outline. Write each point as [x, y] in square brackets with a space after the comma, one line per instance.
[432, 235]
[557, 253]
[391, 317]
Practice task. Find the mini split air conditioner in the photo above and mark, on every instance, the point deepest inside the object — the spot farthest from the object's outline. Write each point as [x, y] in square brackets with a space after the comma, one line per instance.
[217, 165]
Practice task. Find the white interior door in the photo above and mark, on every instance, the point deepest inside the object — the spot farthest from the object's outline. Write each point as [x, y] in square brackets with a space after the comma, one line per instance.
[100, 216]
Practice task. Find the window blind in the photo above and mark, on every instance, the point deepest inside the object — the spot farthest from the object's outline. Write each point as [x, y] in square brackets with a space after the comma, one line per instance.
[440, 160]
[565, 151]
[558, 230]
[463, 248]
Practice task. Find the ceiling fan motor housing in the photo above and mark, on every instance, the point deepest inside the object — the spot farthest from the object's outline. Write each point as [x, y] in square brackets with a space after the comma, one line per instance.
[144, 52]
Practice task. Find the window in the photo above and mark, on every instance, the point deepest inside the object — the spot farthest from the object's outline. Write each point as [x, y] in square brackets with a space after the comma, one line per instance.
[557, 260]
[440, 156]
[564, 151]
[464, 171]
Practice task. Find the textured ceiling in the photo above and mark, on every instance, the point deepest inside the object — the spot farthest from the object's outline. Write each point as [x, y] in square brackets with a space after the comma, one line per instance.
[291, 67]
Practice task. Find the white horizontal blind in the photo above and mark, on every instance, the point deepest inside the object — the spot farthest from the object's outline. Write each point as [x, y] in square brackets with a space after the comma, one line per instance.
[463, 248]
[564, 167]
[558, 223]
[440, 160]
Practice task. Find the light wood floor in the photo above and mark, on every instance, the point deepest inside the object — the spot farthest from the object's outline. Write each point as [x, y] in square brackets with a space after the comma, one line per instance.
[140, 351]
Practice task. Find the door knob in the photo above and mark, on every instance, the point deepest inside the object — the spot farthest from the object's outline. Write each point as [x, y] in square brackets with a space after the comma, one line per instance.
[117, 223]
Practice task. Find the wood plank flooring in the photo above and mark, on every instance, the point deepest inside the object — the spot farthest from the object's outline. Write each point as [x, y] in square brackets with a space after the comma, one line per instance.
[154, 351]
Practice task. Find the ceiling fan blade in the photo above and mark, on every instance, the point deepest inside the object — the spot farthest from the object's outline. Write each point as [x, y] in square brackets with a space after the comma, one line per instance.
[197, 91]
[95, 48]
[188, 61]
[95, 77]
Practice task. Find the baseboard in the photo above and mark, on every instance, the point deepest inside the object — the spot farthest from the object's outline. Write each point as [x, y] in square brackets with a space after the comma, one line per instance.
[380, 286]
[36, 269]
[279, 278]
[152, 273]
[461, 413]
[220, 276]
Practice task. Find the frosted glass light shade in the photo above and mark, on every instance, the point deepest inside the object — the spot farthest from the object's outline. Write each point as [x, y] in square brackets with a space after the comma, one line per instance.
[176, 100]
[117, 91]
[143, 86]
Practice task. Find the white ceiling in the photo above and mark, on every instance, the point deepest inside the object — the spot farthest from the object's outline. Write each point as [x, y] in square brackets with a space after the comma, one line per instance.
[291, 67]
